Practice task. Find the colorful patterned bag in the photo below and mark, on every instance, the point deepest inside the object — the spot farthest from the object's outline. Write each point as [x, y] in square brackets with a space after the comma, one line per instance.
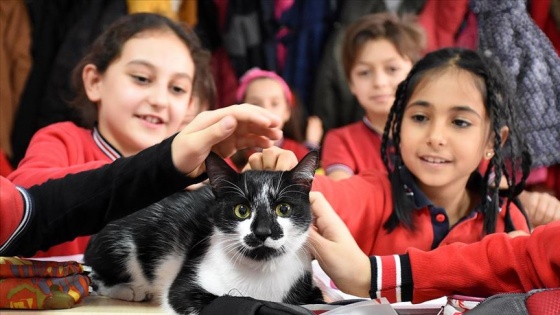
[35, 284]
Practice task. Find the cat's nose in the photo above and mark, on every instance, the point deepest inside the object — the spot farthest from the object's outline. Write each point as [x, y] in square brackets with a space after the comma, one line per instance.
[262, 233]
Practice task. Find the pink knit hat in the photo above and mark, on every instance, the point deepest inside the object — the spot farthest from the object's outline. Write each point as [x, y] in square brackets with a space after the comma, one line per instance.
[257, 73]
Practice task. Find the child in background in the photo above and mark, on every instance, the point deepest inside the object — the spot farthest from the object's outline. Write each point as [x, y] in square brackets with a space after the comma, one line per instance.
[133, 88]
[377, 53]
[268, 90]
[452, 111]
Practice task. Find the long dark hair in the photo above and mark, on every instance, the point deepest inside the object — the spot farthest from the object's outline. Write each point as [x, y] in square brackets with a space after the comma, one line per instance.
[509, 160]
[108, 46]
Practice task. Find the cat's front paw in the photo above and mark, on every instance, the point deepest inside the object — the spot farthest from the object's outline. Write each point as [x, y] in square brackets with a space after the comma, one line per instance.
[125, 292]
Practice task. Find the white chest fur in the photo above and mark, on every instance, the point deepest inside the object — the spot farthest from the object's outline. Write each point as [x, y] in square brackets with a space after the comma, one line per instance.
[236, 275]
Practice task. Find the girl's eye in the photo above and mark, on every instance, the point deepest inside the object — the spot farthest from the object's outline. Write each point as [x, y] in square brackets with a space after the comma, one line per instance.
[461, 123]
[242, 211]
[283, 210]
[140, 79]
[419, 118]
[178, 90]
[392, 69]
[363, 73]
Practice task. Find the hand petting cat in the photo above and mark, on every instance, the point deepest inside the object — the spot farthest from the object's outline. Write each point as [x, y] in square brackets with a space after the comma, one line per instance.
[223, 131]
[272, 159]
[332, 240]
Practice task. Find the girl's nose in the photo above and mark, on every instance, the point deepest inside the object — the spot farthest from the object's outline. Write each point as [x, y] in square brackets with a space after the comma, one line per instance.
[379, 78]
[436, 136]
[159, 96]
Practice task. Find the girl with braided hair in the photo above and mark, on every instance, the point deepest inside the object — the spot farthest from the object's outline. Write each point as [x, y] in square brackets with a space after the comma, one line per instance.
[451, 113]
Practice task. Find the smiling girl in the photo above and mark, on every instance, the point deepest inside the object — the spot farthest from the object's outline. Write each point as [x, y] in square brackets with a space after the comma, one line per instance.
[134, 90]
[451, 112]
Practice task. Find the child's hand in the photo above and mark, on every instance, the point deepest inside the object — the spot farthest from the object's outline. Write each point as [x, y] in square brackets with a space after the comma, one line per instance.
[336, 250]
[517, 233]
[314, 131]
[273, 158]
[223, 131]
[541, 207]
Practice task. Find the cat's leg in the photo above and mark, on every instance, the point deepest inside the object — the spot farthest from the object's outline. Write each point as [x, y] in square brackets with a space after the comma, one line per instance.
[305, 291]
[125, 281]
[185, 296]
[124, 292]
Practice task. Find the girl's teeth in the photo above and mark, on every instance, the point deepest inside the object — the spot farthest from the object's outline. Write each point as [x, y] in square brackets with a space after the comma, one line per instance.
[152, 120]
[431, 160]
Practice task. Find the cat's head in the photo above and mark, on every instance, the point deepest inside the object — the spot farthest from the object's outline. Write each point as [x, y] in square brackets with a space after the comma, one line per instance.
[262, 214]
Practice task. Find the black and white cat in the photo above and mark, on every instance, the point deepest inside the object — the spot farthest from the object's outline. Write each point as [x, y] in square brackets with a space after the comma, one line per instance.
[245, 234]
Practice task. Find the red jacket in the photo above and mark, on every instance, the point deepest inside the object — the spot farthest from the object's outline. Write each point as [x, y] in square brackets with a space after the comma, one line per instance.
[58, 150]
[364, 202]
[495, 265]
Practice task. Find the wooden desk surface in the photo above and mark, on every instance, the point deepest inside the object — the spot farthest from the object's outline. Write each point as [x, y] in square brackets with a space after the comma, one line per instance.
[95, 304]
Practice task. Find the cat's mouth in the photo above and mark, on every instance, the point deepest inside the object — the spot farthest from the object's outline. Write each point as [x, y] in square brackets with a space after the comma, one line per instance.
[263, 253]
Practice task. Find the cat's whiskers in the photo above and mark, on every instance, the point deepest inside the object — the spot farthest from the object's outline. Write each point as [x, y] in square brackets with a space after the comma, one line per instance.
[311, 249]
[285, 190]
[201, 241]
[231, 186]
[300, 262]
[232, 247]
[279, 183]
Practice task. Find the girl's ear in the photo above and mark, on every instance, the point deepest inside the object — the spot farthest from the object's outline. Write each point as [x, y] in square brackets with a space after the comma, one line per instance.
[504, 134]
[92, 82]
[489, 152]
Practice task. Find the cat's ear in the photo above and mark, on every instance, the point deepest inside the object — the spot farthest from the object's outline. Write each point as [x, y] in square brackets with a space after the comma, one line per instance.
[304, 171]
[218, 171]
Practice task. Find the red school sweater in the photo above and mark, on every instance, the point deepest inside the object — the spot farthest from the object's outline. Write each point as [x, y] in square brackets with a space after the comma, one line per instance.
[364, 202]
[494, 265]
[292, 145]
[353, 148]
[55, 151]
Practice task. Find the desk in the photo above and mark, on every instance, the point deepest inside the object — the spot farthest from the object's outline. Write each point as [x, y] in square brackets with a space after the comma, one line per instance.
[95, 304]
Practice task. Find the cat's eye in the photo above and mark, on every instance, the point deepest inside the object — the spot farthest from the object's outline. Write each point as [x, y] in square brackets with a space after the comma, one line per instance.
[242, 211]
[283, 210]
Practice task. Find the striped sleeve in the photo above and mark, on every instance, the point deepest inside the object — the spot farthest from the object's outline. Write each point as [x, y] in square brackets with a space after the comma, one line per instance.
[391, 278]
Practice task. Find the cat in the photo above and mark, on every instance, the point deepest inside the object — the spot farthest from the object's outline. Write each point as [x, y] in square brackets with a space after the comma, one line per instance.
[244, 234]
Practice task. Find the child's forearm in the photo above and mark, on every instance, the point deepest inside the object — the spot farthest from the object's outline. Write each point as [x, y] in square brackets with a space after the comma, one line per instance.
[81, 204]
[494, 265]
